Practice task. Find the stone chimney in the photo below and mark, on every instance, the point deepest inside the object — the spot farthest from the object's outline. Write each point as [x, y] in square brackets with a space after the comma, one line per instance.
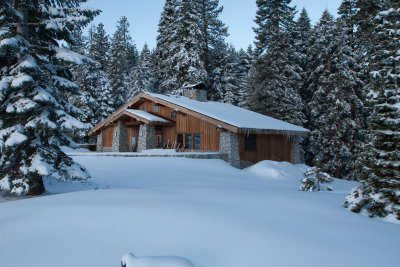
[196, 92]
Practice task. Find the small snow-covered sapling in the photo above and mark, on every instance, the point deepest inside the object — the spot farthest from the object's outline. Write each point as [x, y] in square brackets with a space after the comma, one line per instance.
[314, 178]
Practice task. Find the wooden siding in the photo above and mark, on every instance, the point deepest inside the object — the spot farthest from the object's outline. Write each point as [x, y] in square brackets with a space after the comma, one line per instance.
[108, 136]
[185, 124]
[269, 147]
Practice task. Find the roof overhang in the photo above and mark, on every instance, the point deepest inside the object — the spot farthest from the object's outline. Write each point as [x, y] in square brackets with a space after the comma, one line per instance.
[122, 112]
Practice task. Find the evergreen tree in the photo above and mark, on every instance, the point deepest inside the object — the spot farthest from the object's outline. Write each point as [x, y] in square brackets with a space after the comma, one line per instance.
[83, 101]
[187, 66]
[217, 90]
[96, 79]
[99, 46]
[363, 18]
[213, 29]
[191, 37]
[313, 180]
[232, 76]
[247, 78]
[142, 76]
[336, 105]
[301, 35]
[34, 112]
[121, 59]
[277, 76]
[166, 48]
[379, 192]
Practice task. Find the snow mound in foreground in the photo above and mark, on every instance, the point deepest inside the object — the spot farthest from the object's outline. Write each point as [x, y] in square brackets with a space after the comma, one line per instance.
[129, 260]
[277, 170]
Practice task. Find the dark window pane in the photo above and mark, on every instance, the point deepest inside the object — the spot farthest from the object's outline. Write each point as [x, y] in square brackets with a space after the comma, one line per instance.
[173, 114]
[179, 140]
[188, 141]
[155, 108]
[197, 141]
[250, 142]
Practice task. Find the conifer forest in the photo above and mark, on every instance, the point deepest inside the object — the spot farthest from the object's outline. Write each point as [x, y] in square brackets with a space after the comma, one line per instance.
[60, 75]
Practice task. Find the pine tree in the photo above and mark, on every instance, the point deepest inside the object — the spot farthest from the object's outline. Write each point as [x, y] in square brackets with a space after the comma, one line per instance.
[34, 112]
[363, 18]
[246, 81]
[142, 76]
[277, 76]
[336, 105]
[97, 79]
[166, 48]
[121, 60]
[379, 192]
[313, 180]
[83, 101]
[301, 35]
[213, 31]
[187, 66]
[99, 46]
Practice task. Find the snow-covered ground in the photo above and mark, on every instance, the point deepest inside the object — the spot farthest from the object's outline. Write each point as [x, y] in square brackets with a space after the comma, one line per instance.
[203, 210]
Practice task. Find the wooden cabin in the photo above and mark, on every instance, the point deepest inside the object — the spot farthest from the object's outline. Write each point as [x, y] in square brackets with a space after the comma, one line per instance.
[191, 123]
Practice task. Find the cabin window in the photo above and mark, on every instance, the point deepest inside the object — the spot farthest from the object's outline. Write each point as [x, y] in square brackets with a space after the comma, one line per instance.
[157, 128]
[155, 107]
[250, 142]
[179, 140]
[188, 141]
[173, 114]
[144, 108]
[197, 141]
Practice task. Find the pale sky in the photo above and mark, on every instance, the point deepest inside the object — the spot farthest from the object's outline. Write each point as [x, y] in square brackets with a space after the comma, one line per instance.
[238, 15]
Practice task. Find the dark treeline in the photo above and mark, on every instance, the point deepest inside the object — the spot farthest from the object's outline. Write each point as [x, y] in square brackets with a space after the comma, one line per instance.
[338, 78]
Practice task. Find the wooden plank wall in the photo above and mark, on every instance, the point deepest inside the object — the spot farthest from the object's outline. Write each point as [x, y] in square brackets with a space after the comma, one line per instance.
[185, 124]
[269, 147]
[108, 136]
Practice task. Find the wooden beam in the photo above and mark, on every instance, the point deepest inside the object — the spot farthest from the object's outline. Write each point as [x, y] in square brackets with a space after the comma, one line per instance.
[131, 123]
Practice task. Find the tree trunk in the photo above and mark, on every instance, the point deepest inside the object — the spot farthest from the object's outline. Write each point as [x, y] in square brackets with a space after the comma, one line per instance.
[22, 27]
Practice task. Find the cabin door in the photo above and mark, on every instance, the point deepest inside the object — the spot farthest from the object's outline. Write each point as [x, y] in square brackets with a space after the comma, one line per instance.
[158, 133]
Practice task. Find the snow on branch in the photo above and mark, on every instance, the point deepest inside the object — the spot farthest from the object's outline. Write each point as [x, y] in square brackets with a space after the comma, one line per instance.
[59, 81]
[71, 56]
[11, 136]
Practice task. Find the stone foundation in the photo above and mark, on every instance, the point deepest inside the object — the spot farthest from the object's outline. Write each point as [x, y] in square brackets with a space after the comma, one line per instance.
[120, 138]
[228, 144]
[147, 137]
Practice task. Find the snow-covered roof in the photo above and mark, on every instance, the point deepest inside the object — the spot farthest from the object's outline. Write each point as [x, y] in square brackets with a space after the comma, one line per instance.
[145, 115]
[230, 114]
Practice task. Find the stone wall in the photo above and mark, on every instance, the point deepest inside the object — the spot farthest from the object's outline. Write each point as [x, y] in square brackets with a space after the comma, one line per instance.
[120, 138]
[147, 137]
[99, 144]
[196, 94]
[228, 144]
[296, 155]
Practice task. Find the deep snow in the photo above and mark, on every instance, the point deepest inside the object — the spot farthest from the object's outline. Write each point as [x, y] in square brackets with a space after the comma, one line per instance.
[203, 210]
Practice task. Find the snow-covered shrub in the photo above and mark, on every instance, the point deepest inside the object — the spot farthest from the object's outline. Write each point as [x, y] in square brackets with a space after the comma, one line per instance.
[313, 178]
